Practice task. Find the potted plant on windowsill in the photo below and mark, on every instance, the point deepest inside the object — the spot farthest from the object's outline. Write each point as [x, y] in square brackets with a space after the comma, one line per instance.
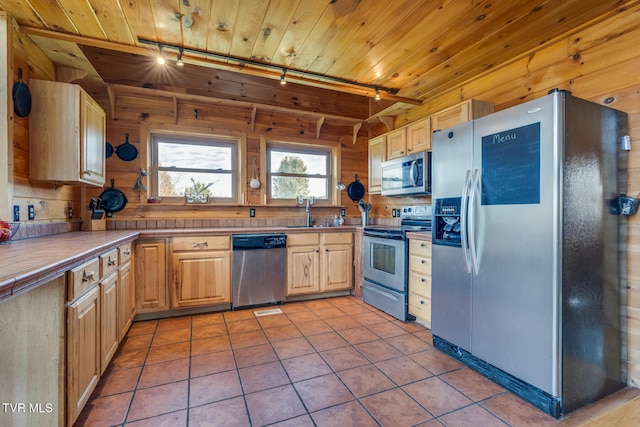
[198, 192]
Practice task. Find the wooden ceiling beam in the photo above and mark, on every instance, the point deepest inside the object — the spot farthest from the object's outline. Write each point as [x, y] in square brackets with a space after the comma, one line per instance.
[204, 61]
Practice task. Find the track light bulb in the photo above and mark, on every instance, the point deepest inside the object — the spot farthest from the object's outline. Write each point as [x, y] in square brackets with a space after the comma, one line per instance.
[160, 60]
[377, 94]
[179, 61]
[283, 79]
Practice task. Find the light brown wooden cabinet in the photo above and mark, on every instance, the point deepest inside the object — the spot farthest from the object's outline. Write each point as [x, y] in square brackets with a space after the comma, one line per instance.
[460, 113]
[126, 300]
[66, 135]
[319, 262]
[151, 275]
[83, 351]
[420, 280]
[201, 268]
[396, 143]
[419, 136]
[108, 319]
[377, 155]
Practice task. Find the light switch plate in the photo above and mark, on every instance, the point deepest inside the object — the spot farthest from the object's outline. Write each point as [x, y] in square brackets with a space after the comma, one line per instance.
[252, 212]
[16, 213]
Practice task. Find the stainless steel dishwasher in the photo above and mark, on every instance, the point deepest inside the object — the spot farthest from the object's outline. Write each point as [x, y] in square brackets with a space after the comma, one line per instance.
[259, 269]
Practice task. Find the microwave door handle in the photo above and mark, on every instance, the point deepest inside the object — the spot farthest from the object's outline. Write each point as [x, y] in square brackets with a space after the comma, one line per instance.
[412, 174]
[463, 222]
[475, 187]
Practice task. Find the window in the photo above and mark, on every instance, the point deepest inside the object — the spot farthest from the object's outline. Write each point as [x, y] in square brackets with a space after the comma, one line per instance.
[185, 165]
[303, 171]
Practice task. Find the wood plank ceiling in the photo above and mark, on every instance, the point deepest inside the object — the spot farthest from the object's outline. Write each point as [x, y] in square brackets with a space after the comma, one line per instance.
[417, 47]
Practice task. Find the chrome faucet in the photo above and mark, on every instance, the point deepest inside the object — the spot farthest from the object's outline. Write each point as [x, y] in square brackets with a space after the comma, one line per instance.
[310, 201]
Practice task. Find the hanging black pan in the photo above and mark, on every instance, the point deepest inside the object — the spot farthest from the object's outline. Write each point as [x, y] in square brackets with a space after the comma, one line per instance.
[113, 200]
[127, 151]
[21, 97]
[355, 190]
[108, 151]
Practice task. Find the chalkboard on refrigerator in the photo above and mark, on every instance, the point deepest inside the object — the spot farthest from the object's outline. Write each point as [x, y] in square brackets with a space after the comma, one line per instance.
[511, 166]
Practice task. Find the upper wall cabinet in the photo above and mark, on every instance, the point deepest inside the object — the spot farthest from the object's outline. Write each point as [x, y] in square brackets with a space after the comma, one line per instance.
[460, 113]
[66, 135]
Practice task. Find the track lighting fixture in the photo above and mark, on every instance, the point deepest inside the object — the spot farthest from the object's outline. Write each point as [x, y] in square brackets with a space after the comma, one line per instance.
[179, 62]
[244, 62]
[160, 58]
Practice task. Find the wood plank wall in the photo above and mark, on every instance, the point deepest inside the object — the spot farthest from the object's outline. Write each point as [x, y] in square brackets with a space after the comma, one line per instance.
[598, 63]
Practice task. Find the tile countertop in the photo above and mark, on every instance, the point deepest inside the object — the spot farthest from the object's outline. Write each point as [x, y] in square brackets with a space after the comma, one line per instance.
[26, 264]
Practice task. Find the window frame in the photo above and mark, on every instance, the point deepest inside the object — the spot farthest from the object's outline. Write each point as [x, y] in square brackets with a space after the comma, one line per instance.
[188, 138]
[331, 150]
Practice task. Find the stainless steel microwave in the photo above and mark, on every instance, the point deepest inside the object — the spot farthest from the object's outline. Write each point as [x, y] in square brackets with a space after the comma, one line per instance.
[409, 175]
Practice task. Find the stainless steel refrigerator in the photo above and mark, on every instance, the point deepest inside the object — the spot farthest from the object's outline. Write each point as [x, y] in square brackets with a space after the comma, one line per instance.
[527, 249]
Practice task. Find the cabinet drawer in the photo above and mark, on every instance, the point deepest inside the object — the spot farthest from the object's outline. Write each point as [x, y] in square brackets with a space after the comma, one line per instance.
[420, 283]
[201, 243]
[125, 252]
[420, 307]
[303, 239]
[420, 264]
[420, 247]
[331, 238]
[108, 263]
[82, 278]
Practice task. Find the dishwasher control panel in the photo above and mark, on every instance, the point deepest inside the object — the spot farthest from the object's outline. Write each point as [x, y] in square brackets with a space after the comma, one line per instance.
[259, 241]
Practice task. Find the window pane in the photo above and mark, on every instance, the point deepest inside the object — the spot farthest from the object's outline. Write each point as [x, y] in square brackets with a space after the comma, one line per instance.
[303, 163]
[288, 187]
[194, 156]
[175, 184]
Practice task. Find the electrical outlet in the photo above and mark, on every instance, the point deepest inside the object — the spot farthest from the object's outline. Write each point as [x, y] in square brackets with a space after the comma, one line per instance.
[70, 212]
[16, 213]
[31, 212]
[252, 212]
[343, 212]
[394, 212]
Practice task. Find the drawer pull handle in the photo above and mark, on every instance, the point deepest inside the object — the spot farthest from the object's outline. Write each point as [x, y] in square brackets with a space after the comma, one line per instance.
[127, 252]
[87, 277]
[203, 244]
[111, 262]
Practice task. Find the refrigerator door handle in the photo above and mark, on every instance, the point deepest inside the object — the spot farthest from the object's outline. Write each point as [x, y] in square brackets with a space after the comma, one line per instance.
[464, 240]
[412, 174]
[475, 184]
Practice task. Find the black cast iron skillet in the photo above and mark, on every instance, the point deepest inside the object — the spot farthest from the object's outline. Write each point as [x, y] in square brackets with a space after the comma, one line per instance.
[113, 200]
[355, 190]
[127, 151]
[21, 97]
[108, 151]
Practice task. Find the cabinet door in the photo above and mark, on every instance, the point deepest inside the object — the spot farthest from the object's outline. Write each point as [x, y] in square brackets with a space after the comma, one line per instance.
[83, 351]
[92, 147]
[303, 270]
[150, 276]
[126, 300]
[108, 320]
[419, 136]
[200, 278]
[450, 117]
[397, 143]
[337, 261]
[377, 155]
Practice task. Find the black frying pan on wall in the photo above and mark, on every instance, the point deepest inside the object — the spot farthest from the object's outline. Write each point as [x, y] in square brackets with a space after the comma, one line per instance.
[127, 151]
[113, 200]
[21, 97]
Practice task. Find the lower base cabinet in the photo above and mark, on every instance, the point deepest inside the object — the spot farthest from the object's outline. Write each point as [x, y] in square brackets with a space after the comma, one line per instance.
[319, 262]
[108, 320]
[83, 351]
[420, 280]
[151, 276]
[200, 278]
[126, 299]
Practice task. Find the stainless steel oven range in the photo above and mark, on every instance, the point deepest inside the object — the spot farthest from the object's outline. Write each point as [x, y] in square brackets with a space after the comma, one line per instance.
[385, 261]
